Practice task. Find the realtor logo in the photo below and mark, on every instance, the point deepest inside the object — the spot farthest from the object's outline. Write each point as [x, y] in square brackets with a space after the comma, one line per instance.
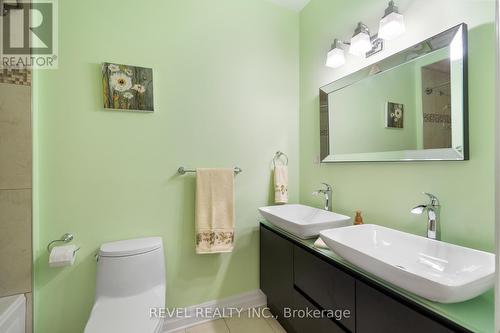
[29, 34]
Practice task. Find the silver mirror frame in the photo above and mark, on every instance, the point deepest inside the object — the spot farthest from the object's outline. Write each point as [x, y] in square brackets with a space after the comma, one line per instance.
[439, 41]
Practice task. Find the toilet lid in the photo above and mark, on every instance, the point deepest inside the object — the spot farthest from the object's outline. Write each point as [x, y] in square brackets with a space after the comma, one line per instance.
[126, 314]
[130, 247]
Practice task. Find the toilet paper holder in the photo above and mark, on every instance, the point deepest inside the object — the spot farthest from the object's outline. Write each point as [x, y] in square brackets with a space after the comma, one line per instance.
[67, 237]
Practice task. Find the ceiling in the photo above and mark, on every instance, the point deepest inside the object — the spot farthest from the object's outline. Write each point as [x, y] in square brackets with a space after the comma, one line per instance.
[295, 5]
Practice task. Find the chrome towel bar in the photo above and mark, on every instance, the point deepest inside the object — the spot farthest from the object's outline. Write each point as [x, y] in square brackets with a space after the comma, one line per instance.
[183, 171]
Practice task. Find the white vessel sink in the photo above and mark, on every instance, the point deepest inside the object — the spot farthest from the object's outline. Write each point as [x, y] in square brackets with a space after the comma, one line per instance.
[436, 270]
[303, 221]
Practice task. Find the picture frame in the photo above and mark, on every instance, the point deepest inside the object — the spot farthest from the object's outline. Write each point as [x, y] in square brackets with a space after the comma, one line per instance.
[127, 88]
[394, 115]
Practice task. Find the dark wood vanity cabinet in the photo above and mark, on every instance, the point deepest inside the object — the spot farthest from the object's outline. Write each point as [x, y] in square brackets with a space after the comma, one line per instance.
[328, 286]
[379, 313]
[277, 282]
[276, 272]
[307, 325]
[294, 277]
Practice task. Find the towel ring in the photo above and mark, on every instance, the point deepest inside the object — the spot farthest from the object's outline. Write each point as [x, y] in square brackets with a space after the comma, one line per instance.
[278, 156]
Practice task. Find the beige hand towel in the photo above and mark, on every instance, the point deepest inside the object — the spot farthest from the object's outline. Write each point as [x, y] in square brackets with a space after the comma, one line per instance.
[214, 210]
[281, 184]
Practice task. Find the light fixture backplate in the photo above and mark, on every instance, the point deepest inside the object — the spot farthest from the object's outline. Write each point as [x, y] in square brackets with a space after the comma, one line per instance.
[377, 46]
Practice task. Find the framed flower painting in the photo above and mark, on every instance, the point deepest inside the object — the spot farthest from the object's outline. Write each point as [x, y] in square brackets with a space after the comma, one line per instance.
[394, 115]
[127, 87]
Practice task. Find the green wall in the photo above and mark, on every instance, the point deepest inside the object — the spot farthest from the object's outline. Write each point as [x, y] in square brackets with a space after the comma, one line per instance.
[386, 192]
[226, 93]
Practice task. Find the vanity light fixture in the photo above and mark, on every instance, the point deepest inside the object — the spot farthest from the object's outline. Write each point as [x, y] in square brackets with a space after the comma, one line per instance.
[392, 25]
[336, 56]
[362, 44]
[360, 41]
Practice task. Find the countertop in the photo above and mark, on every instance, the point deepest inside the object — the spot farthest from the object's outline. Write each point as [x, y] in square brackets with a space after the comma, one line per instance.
[476, 315]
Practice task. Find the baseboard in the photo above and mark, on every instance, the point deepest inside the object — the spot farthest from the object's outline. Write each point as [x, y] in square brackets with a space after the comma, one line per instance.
[243, 301]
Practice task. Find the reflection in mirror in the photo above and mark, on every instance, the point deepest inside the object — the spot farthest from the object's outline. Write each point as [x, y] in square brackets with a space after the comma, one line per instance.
[436, 105]
[409, 106]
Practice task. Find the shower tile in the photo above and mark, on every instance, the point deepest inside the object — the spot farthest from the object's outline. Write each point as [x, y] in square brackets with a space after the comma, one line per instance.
[19, 76]
[15, 242]
[15, 136]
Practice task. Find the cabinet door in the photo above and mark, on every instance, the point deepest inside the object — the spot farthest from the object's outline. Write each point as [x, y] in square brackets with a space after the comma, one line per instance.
[328, 286]
[379, 313]
[304, 323]
[276, 273]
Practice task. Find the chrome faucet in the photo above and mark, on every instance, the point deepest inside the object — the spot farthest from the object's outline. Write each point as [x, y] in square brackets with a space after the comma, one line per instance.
[433, 208]
[327, 192]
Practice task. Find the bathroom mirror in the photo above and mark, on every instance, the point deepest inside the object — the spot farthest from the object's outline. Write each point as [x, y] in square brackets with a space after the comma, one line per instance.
[410, 106]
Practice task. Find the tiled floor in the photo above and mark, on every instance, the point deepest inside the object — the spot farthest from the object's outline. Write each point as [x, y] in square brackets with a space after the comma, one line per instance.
[242, 324]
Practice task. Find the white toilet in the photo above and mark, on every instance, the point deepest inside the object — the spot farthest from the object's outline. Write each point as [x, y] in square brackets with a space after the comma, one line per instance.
[130, 281]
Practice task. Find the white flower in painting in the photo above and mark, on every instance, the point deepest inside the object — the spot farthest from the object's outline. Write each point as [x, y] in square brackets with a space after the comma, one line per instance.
[139, 88]
[129, 72]
[398, 113]
[128, 95]
[120, 82]
[113, 67]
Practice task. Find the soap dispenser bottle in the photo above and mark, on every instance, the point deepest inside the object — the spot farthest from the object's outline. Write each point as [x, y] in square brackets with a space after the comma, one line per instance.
[358, 219]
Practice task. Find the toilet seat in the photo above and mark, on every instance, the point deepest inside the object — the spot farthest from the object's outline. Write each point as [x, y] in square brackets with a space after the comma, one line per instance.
[126, 314]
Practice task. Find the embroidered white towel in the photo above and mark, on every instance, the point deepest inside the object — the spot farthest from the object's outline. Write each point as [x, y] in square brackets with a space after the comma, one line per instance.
[281, 184]
[214, 215]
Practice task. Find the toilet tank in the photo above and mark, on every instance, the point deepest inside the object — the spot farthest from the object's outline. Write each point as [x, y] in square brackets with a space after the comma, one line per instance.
[130, 267]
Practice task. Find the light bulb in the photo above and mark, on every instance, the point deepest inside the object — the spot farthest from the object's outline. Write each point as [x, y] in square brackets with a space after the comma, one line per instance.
[360, 41]
[336, 56]
[360, 44]
[392, 24]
